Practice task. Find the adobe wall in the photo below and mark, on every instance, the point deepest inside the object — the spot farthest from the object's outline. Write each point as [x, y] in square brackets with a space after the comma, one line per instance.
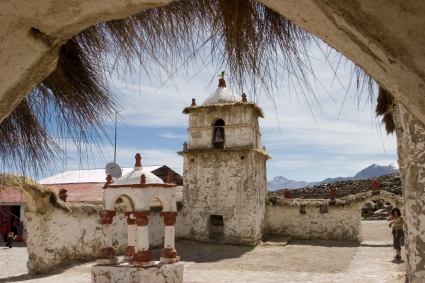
[58, 237]
[319, 220]
[231, 184]
[410, 149]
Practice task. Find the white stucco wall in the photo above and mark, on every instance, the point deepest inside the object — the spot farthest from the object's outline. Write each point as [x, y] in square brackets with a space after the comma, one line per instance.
[222, 183]
[241, 126]
[339, 223]
[57, 237]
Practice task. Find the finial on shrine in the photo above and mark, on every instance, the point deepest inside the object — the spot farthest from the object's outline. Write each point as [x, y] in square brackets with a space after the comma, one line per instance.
[108, 181]
[244, 97]
[170, 178]
[143, 179]
[193, 102]
[138, 158]
[221, 81]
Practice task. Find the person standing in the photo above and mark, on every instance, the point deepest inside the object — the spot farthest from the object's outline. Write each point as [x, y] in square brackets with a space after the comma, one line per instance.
[5, 230]
[15, 224]
[20, 230]
[397, 222]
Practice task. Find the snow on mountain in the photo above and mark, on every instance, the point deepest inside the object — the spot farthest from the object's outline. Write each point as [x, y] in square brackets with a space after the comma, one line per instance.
[372, 171]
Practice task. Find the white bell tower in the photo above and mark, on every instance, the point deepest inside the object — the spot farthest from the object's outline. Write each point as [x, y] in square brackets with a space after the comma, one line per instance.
[224, 177]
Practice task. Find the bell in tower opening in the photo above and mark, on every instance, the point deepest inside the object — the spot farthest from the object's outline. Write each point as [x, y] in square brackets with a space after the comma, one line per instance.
[218, 135]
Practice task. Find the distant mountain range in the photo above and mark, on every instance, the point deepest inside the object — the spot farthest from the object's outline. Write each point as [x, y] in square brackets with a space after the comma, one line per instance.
[372, 171]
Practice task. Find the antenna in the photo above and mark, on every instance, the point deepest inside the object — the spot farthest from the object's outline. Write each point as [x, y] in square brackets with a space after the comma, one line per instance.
[115, 147]
[113, 169]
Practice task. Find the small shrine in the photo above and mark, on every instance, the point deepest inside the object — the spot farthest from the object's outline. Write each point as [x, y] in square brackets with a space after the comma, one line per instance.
[137, 190]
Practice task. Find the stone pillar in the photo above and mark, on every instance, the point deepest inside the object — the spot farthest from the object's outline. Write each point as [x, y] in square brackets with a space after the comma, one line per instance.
[169, 253]
[332, 196]
[411, 149]
[107, 253]
[143, 257]
[376, 187]
[131, 235]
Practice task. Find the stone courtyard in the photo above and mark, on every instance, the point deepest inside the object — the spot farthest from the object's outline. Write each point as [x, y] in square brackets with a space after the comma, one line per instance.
[299, 261]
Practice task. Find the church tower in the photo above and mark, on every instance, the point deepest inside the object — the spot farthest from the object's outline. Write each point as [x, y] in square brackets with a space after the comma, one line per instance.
[225, 181]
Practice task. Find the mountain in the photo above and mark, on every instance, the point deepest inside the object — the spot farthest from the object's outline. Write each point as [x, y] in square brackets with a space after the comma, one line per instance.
[280, 182]
[372, 171]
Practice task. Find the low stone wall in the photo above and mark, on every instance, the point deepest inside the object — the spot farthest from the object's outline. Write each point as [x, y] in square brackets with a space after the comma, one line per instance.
[337, 223]
[58, 237]
[316, 219]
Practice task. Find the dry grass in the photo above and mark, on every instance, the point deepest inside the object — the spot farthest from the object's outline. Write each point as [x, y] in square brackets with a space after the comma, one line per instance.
[257, 46]
[385, 108]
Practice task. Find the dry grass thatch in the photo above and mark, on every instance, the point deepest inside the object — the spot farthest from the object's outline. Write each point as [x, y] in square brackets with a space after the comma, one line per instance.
[256, 45]
[385, 108]
[281, 201]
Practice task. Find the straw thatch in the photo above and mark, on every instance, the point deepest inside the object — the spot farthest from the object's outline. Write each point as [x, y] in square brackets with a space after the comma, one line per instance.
[281, 201]
[385, 107]
[258, 47]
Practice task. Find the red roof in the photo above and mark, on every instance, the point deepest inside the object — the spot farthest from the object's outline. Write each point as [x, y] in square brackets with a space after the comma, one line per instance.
[80, 192]
[12, 195]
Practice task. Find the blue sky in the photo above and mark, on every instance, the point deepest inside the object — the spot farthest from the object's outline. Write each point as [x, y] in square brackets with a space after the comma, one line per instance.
[309, 138]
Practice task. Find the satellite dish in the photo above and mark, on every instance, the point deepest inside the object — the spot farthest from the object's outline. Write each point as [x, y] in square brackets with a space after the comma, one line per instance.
[113, 169]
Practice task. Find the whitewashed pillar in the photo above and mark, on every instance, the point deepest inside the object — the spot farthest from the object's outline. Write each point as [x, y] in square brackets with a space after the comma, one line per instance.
[169, 253]
[411, 147]
[143, 257]
[107, 253]
[131, 237]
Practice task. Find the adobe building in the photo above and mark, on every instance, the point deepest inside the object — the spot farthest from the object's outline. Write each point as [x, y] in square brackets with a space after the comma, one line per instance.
[224, 171]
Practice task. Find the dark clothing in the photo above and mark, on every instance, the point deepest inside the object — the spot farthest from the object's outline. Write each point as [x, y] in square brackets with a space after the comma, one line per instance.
[397, 235]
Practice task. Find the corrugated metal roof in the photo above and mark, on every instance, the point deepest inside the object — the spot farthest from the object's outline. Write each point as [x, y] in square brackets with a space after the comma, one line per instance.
[87, 176]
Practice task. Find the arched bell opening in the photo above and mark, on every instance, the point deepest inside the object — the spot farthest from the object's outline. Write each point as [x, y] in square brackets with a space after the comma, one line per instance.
[218, 134]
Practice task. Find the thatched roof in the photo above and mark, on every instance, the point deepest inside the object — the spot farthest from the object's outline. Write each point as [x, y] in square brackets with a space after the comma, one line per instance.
[281, 201]
[256, 45]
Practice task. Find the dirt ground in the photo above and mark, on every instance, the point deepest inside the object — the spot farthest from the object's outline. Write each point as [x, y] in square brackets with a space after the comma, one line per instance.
[299, 261]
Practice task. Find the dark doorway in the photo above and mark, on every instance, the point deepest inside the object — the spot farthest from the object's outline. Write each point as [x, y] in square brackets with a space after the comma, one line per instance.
[216, 227]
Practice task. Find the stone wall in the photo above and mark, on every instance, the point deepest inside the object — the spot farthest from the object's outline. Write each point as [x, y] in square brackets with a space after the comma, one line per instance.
[410, 149]
[338, 223]
[231, 184]
[58, 237]
[316, 219]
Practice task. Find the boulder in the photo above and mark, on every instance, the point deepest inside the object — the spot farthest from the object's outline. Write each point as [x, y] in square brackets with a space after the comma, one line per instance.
[382, 212]
[369, 206]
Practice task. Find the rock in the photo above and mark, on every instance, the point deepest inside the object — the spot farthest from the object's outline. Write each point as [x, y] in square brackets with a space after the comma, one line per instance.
[382, 212]
[369, 206]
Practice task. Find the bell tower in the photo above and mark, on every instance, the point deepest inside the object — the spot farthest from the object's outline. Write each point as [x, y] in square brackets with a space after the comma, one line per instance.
[225, 181]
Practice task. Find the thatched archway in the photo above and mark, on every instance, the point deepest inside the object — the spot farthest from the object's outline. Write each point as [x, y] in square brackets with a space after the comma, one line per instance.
[373, 35]
[386, 40]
